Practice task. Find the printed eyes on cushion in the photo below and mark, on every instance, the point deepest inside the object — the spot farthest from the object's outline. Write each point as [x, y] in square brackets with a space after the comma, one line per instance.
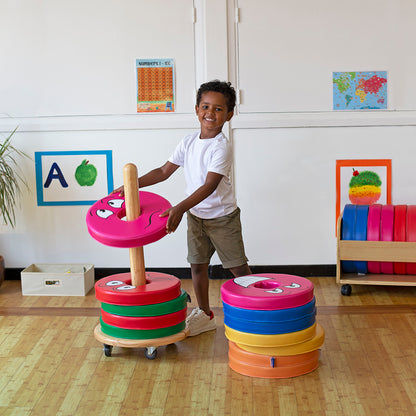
[118, 283]
[104, 213]
[278, 290]
[114, 203]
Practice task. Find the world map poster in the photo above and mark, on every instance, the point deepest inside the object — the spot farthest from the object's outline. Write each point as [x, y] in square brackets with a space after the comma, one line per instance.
[359, 90]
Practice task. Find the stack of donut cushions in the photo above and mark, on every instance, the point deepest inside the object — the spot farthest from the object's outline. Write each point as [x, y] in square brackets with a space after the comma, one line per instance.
[378, 223]
[154, 310]
[270, 322]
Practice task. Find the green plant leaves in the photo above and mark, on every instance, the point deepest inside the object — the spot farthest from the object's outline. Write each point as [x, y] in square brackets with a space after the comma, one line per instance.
[10, 179]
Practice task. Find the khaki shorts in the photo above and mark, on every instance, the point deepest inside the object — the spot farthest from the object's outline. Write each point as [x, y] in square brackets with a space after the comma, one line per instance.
[222, 235]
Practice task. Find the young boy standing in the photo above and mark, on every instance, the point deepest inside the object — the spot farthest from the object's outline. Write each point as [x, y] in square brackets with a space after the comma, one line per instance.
[212, 213]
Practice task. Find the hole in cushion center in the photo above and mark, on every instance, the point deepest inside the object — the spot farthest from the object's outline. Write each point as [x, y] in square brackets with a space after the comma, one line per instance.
[268, 284]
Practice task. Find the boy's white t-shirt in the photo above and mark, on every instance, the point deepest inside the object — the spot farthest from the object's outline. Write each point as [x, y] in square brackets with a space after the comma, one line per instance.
[200, 156]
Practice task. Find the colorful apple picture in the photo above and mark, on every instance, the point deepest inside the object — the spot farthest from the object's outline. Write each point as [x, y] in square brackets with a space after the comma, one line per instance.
[86, 173]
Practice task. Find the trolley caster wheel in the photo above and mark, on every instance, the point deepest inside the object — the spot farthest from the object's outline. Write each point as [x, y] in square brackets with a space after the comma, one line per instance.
[346, 290]
[150, 353]
[107, 350]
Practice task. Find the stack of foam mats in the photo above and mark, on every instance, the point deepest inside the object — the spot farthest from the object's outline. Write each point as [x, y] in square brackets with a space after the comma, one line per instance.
[270, 322]
[147, 316]
[378, 223]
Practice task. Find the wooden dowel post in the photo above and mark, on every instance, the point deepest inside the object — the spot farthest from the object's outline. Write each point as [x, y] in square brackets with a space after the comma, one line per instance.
[132, 202]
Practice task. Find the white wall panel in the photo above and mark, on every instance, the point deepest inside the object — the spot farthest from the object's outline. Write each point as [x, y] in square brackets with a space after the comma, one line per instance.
[78, 57]
[67, 77]
[287, 51]
[285, 183]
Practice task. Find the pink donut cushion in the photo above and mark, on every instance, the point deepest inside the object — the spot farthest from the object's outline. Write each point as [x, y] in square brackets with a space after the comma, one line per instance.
[267, 291]
[400, 212]
[373, 233]
[411, 234]
[105, 221]
[386, 234]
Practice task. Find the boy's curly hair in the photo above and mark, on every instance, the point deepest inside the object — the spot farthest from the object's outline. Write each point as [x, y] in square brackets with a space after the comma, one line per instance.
[223, 87]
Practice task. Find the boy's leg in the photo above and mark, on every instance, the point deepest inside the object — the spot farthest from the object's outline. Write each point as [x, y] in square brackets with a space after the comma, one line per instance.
[200, 250]
[226, 237]
[242, 270]
[200, 280]
[201, 319]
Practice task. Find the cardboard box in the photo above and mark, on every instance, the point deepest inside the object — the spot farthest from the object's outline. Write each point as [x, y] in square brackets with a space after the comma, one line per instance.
[57, 279]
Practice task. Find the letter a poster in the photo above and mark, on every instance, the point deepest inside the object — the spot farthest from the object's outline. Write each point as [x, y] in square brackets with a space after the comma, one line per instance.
[73, 177]
[155, 85]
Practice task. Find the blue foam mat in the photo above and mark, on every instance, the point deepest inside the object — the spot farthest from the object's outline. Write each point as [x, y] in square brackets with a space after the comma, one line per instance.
[360, 233]
[280, 315]
[270, 328]
[347, 233]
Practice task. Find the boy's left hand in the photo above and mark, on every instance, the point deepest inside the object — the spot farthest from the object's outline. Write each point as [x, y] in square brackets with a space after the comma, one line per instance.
[175, 216]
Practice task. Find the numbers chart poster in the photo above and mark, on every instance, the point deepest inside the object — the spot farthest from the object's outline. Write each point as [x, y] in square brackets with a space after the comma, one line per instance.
[359, 90]
[155, 85]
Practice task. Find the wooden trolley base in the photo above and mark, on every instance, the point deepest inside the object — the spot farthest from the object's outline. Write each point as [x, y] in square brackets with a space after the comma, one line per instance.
[150, 344]
[395, 251]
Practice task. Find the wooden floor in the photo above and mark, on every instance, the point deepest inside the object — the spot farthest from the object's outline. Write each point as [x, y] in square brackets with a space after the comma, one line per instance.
[51, 364]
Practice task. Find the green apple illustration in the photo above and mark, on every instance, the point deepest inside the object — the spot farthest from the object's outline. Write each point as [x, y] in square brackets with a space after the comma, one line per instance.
[86, 174]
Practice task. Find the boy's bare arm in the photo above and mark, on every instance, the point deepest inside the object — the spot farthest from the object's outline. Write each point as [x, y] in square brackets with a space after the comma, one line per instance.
[157, 175]
[176, 213]
[152, 177]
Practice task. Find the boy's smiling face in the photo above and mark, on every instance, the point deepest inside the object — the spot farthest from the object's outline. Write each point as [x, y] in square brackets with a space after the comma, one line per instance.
[212, 113]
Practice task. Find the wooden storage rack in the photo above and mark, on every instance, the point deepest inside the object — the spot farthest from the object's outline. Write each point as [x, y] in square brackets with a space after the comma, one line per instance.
[396, 251]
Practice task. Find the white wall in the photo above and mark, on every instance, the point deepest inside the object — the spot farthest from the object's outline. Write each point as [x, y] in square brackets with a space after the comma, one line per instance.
[67, 79]
[77, 57]
[288, 203]
[288, 50]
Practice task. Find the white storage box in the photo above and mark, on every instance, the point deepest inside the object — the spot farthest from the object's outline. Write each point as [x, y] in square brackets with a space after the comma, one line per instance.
[57, 279]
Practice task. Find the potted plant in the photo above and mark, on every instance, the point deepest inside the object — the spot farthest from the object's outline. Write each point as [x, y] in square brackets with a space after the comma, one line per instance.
[10, 185]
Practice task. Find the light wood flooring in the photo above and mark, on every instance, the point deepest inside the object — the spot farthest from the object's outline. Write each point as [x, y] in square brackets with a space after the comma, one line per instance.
[51, 364]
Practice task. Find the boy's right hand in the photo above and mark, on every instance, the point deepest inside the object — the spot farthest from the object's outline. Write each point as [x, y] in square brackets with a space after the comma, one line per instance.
[175, 215]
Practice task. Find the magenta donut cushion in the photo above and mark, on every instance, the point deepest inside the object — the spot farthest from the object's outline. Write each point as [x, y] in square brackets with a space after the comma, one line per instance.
[267, 291]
